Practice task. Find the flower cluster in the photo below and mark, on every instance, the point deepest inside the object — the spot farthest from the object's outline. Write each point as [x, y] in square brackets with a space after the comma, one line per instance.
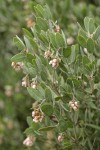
[55, 62]
[37, 115]
[29, 141]
[74, 105]
[25, 81]
[17, 66]
[47, 54]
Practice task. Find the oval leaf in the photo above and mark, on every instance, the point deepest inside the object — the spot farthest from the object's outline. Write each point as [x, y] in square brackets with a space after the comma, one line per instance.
[18, 57]
[47, 109]
[90, 45]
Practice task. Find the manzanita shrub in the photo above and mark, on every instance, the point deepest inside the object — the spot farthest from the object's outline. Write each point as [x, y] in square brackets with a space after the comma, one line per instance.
[64, 82]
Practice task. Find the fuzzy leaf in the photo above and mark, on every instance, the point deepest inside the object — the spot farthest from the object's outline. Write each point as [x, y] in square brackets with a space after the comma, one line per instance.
[59, 40]
[82, 41]
[97, 33]
[18, 57]
[48, 128]
[67, 52]
[19, 43]
[47, 109]
[42, 24]
[90, 45]
[36, 94]
[91, 26]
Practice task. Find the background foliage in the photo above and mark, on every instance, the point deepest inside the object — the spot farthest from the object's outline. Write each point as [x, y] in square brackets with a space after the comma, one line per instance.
[15, 104]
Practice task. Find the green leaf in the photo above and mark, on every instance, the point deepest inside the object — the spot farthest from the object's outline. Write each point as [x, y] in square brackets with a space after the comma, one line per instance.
[36, 94]
[39, 10]
[82, 33]
[27, 42]
[58, 98]
[53, 39]
[47, 109]
[86, 23]
[47, 12]
[93, 126]
[27, 33]
[48, 128]
[73, 54]
[30, 57]
[59, 40]
[31, 44]
[97, 33]
[34, 45]
[85, 60]
[18, 57]
[43, 74]
[29, 131]
[82, 41]
[91, 26]
[42, 24]
[18, 42]
[43, 37]
[48, 95]
[29, 121]
[63, 125]
[90, 45]
[35, 126]
[67, 52]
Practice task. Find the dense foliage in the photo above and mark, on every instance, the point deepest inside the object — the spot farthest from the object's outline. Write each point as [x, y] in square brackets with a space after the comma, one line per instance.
[62, 76]
[60, 61]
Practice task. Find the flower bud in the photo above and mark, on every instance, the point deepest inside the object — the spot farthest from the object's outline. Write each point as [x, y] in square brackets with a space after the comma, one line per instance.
[60, 138]
[29, 141]
[70, 40]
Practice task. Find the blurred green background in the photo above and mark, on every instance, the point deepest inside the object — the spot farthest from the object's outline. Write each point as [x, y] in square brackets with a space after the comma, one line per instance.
[15, 103]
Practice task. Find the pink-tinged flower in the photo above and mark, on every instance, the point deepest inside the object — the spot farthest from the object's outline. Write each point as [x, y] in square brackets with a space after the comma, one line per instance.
[70, 40]
[34, 84]
[74, 105]
[17, 66]
[25, 81]
[55, 62]
[60, 138]
[29, 141]
[47, 54]
[37, 116]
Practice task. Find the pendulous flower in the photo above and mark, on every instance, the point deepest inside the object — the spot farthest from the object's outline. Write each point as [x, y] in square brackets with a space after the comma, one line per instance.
[29, 141]
[37, 115]
[60, 138]
[55, 62]
[17, 66]
[74, 105]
